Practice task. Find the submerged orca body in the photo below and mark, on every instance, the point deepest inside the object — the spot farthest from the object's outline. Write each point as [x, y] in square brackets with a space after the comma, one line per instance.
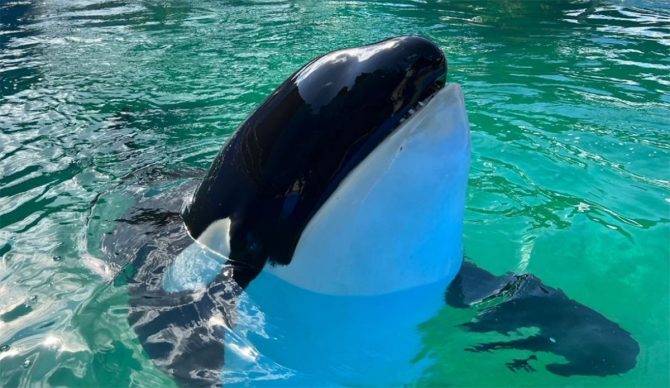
[589, 342]
[327, 229]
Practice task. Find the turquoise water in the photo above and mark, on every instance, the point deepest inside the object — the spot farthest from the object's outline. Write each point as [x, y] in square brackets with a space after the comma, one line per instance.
[570, 179]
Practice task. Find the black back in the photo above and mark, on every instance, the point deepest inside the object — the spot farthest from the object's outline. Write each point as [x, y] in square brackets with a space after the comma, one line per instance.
[287, 158]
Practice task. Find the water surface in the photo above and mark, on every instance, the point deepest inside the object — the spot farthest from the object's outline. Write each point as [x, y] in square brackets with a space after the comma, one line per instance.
[570, 180]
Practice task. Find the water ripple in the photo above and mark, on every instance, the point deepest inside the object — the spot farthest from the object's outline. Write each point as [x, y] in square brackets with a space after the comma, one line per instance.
[568, 103]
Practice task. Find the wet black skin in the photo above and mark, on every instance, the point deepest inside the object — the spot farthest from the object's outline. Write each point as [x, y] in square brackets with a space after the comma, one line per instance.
[286, 159]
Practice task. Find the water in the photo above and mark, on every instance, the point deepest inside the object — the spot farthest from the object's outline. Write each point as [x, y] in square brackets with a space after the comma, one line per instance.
[570, 179]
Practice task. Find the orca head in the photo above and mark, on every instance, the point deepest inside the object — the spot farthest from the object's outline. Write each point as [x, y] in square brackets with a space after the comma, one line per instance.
[272, 189]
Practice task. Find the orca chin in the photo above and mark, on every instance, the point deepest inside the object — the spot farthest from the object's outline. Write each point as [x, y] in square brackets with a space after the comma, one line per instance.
[395, 222]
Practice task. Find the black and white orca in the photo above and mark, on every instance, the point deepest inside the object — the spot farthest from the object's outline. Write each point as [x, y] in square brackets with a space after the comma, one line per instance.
[326, 230]
[334, 165]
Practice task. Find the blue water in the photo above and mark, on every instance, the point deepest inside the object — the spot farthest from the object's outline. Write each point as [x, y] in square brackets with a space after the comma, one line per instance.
[570, 179]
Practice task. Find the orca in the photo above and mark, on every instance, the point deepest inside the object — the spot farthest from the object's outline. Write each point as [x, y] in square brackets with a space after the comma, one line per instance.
[269, 187]
[327, 229]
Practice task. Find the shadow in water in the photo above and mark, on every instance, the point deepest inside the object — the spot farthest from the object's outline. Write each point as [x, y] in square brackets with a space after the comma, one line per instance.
[591, 344]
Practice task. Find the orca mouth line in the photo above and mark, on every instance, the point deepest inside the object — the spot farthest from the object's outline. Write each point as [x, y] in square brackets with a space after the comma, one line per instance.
[427, 95]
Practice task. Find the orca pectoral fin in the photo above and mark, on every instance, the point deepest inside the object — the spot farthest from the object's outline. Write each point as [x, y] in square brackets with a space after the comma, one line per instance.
[591, 343]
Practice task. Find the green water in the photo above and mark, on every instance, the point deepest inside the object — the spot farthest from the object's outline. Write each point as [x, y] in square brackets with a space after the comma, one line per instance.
[569, 104]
